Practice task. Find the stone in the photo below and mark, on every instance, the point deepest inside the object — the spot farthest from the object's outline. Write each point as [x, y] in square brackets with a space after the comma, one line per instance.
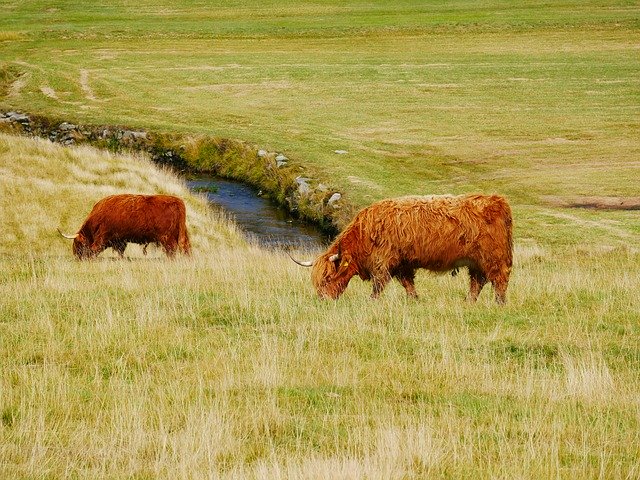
[139, 135]
[130, 136]
[304, 189]
[340, 152]
[18, 117]
[262, 153]
[333, 199]
[281, 160]
[303, 185]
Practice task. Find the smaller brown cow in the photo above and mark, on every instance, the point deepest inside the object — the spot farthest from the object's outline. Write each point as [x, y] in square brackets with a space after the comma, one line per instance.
[393, 238]
[120, 219]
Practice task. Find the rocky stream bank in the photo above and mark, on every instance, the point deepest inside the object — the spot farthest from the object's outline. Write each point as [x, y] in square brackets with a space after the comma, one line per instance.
[272, 173]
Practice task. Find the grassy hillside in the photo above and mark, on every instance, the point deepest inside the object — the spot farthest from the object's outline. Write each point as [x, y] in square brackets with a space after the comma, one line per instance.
[225, 365]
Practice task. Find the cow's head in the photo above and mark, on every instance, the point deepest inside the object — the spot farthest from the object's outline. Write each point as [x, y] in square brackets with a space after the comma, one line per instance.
[81, 246]
[331, 273]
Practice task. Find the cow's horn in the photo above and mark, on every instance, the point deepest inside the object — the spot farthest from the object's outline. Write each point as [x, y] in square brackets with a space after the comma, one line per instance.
[334, 257]
[303, 264]
[70, 237]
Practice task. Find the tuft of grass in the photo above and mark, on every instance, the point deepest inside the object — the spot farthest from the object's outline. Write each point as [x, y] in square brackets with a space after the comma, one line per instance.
[207, 189]
[11, 36]
[8, 75]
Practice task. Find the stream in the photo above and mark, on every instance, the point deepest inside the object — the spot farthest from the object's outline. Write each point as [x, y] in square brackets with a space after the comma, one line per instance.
[262, 221]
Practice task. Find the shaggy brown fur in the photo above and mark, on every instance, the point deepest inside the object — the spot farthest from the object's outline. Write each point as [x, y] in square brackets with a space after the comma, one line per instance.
[393, 238]
[120, 219]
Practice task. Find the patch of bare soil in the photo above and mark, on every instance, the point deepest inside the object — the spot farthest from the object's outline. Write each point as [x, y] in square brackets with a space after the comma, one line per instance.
[49, 92]
[596, 203]
[17, 86]
[84, 84]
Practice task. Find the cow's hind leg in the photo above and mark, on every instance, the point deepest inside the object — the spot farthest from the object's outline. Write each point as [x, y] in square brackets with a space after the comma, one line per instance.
[499, 279]
[500, 289]
[170, 246]
[119, 247]
[477, 281]
[184, 243]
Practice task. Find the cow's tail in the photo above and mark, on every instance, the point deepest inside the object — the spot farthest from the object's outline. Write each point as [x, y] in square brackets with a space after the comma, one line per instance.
[508, 225]
[184, 245]
[502, 229]
[183, 241]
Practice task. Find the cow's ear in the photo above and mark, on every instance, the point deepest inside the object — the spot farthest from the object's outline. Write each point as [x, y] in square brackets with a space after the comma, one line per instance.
[344, 262]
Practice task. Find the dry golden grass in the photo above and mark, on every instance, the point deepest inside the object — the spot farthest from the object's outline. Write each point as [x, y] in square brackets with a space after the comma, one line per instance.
[225, 365]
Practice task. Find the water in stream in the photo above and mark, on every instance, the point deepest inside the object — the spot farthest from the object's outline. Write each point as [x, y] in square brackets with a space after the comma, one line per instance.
[258, 217]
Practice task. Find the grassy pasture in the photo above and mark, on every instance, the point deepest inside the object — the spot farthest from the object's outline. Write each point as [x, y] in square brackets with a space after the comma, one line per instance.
[225, 365]
[529, 99]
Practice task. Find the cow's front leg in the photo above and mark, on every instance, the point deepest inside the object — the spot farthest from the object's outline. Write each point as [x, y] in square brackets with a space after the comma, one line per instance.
[120, 248]
[409, 286]
[96, 248]
[379, 282]
[406, 277]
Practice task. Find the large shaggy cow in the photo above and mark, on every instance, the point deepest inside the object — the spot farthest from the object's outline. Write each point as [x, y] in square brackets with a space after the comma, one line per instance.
[120, 219]
[394, 237]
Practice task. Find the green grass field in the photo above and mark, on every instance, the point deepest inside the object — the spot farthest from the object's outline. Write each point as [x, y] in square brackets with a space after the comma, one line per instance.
[225, 365]
[525, 98]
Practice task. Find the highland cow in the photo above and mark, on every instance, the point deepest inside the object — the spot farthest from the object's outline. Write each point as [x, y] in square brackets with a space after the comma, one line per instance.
[395, 237]
[120, 219]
